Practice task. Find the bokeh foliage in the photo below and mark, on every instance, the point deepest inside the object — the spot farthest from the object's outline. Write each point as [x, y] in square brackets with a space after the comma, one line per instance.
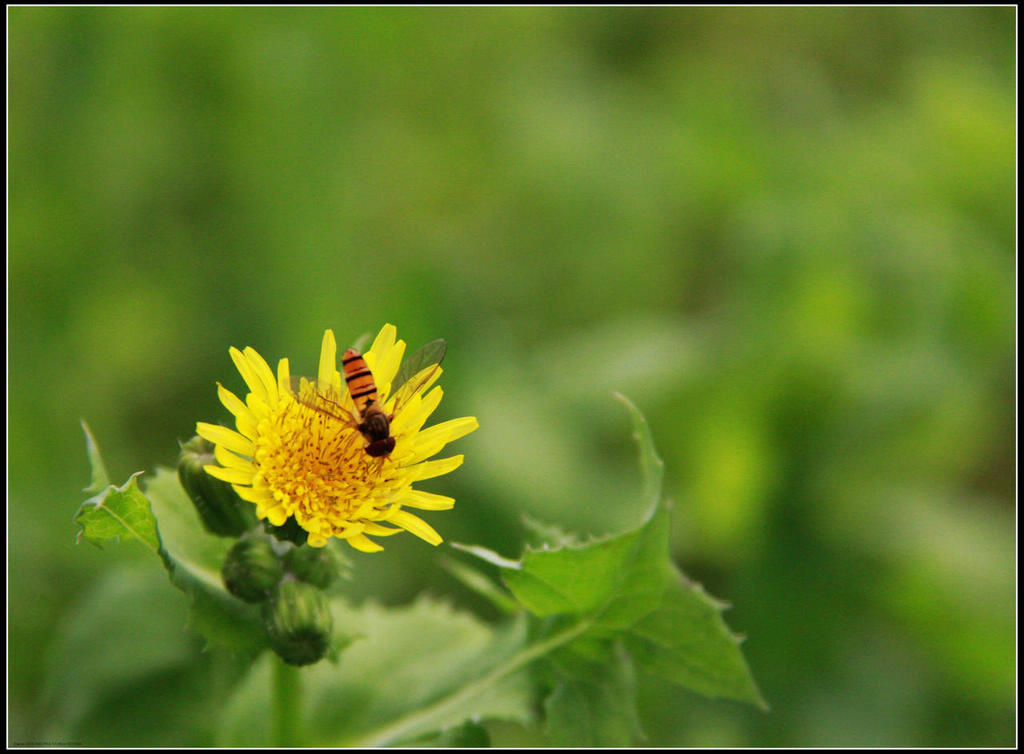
[787, 234]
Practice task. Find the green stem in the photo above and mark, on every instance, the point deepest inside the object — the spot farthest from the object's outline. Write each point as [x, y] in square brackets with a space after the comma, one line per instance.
[286, 705]
[404, 726]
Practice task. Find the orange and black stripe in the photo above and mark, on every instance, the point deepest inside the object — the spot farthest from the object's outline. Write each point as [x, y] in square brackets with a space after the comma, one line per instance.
[360, 382]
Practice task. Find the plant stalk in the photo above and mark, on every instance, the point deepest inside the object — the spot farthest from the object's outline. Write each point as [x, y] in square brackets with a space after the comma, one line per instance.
[287, 689]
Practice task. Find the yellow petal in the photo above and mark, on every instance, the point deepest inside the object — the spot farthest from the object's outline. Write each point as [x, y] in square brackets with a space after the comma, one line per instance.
[284, 378]
[427, 501]
[431, 469]
[231, 402]
[328, 361]
[248, 426]
[257, 406]
[316, 540]
[262, 371]
[414, 412]
[415, 525]
[245, 369]
[363, 543]
[459, 427]
[234, 476]
[277, 516]
[432, 439]
[384, 342]
[387, 367]
[379, 531]
[432, 399]
[251, 494]
[229, 459]
[420, 450]
[230, 439]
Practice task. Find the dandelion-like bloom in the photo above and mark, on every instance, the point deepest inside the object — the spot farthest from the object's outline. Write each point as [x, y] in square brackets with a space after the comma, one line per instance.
[291, 459]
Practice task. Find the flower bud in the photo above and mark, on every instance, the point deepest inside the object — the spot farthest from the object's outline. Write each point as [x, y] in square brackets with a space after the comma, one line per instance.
[252, 568]
[298, 622]
[222, 511]
[319, 566]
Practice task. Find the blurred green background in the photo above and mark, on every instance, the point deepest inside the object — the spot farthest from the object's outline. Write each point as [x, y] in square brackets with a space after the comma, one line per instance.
[787, 234]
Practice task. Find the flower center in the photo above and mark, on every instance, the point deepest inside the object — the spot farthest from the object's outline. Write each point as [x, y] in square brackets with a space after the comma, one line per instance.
[315, 464]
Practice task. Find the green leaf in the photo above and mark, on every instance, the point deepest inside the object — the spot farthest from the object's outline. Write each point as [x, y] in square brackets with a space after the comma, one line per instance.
[481, 584]
[415, 671]
[166, 521]
[652, 468]
[424, 668]
[685, 641]
[469, 735]
[547, 533]
[118, 512]
[582, 579]
[100, 478]
[593, 704]
[193, 557]
[116, 633]
[627, 588]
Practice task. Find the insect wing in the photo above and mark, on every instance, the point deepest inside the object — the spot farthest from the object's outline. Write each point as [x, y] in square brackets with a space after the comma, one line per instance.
[362, 342]
[413, 374]
[413, 367]
[326, 402]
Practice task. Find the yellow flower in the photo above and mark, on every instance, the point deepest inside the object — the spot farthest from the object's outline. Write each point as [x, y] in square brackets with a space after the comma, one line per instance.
[293, 460]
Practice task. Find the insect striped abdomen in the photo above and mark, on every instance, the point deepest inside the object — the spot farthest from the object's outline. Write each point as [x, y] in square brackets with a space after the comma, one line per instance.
[374, 423]
[360, 382]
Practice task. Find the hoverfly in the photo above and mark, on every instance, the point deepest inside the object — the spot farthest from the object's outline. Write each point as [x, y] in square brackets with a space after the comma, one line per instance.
[372, 421]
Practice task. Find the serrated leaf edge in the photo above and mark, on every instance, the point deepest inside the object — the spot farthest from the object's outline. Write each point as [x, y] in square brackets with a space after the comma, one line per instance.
[100, 478]
[97, 501]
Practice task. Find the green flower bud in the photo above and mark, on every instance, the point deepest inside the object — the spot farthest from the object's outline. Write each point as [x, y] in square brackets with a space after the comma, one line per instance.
[319, 566]
[222, 511]
[252, 568]
[298, 622]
